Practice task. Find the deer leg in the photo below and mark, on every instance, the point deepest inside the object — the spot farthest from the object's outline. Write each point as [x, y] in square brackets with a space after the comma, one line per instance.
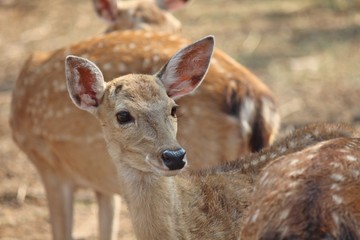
[60, 196]
[109, 210]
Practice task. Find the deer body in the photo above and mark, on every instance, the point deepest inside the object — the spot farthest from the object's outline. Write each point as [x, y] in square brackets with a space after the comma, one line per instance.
[138, 118]
[311, 194]
[53, 121]
[65, 144]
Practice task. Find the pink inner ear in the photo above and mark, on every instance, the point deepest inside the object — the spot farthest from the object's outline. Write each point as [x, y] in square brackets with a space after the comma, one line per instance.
[192, 76]
[173, 5]
[87, 85]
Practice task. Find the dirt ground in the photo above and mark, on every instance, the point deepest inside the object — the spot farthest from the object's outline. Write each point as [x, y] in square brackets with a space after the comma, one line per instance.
[307, 52]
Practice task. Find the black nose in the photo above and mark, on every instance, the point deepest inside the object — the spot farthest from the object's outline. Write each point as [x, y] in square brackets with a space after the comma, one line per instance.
[174, 159]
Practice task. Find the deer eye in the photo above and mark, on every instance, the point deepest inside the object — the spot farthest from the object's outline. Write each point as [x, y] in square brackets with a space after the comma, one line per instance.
[173, 111]
[124, 117]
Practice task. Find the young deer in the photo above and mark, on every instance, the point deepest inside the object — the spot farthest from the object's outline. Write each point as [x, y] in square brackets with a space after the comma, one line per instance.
[140, 14]
[310, 194]
[138, 118]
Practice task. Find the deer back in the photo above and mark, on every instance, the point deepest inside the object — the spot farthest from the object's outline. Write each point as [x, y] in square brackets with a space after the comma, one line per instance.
[310, 194]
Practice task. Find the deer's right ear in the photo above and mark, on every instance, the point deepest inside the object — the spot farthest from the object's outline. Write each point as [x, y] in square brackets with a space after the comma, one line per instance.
[106, 9]
[85, 83]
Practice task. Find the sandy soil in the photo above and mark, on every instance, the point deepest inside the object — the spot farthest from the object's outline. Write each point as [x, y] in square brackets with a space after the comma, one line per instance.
[308, 53]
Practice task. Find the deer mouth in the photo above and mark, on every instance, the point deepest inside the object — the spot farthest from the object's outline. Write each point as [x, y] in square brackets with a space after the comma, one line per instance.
[161, 169]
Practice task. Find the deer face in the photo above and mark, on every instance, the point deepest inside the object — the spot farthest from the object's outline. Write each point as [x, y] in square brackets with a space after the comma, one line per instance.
[139, 124]
[138, 112]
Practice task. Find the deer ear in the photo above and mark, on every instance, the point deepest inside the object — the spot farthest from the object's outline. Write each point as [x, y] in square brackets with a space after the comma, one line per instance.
[171, 5]
[106, 9]
[187, 68]
[85, 83]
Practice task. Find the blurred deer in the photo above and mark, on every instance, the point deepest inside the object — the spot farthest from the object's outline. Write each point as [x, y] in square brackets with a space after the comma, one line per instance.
[240, 113]
[140, 14]
[138, 115]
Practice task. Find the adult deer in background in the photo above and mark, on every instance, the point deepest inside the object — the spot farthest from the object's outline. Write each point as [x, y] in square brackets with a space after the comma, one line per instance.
[151, 15]
[138, 116]
[235, 111]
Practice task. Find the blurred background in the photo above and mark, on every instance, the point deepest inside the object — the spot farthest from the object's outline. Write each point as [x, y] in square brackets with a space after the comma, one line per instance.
[306, 51]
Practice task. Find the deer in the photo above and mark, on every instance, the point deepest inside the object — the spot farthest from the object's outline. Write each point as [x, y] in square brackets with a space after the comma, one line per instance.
[150, 15]
[241, 112]
[138, 115]
[310, 194]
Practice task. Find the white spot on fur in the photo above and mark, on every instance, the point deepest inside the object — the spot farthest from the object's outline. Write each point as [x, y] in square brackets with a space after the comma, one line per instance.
[122, 67]
[344, 150]
[337, 177]
[335, 218]
[351, 158]
[292, 144]
[117, 48]
[293, 184]
[263, 158]
[132, 46]
[254, 162]
[335, 187]
[146, 48]
[146, 63]
[337, 199]
[335, 164]
[307, 137]
[310, 156]
[107, 66]
[282, 150]
[356, 173]
[156, 58]
[246, 165]
[255, 216]
[293, 162]
[273, 155]
[296, 173]
[284, 214]
[264, 177]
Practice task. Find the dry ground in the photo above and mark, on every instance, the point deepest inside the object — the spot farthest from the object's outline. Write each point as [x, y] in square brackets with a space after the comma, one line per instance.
[308, 52]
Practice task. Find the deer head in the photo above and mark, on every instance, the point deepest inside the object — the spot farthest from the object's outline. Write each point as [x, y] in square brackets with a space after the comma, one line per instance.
[140, 14]
[138, 112]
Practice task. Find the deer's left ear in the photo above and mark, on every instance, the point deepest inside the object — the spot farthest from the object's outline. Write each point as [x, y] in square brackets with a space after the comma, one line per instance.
[106, 9]
[187, 68]
[85, 83]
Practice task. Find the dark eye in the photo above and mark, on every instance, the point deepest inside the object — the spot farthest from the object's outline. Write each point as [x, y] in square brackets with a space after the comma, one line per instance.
[124, 117]
[173, 111]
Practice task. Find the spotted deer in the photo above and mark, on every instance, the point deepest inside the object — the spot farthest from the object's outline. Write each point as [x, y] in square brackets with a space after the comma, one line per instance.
[240, 115]
[310, 194]
[240, 111]
[138, 116]
[154, 15]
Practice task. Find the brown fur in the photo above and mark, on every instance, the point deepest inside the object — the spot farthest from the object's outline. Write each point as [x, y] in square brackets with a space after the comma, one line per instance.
[310, 194]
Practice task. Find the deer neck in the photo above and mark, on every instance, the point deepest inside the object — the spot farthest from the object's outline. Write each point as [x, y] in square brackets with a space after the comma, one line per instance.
[153, 204]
